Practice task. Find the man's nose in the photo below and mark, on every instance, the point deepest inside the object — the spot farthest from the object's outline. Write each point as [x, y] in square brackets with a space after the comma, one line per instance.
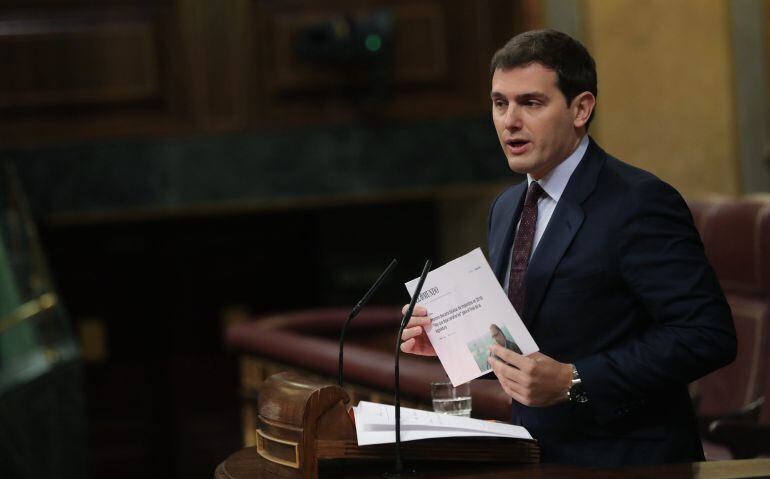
[513, 118]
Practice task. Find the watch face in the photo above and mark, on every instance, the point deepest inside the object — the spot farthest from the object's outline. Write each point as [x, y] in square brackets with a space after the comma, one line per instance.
[577, 395]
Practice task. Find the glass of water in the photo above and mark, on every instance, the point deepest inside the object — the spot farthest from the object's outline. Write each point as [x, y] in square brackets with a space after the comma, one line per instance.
[448, 399]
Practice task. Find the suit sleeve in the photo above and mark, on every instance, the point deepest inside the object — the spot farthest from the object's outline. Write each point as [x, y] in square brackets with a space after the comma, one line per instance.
[691, 333]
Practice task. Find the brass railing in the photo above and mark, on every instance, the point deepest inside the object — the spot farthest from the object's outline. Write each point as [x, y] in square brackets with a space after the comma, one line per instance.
[28, 310]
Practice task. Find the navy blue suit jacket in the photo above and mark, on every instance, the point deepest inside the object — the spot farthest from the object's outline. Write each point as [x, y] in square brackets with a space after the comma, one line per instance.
[619, 285]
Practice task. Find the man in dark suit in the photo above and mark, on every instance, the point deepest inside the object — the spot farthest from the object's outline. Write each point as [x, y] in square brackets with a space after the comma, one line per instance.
[605, 267]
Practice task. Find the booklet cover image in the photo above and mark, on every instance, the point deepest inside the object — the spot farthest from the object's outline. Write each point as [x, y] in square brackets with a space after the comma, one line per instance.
[479, 347]
[469, 311]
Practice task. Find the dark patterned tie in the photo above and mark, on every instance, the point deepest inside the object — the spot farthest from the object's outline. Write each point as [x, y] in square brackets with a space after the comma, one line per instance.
[522, 246]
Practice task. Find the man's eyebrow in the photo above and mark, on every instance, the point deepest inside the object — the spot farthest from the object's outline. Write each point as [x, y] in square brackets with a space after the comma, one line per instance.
[522, 97]
[535, 95]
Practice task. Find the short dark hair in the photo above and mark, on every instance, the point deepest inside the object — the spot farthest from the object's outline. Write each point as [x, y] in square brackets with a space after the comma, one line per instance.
[575, 68]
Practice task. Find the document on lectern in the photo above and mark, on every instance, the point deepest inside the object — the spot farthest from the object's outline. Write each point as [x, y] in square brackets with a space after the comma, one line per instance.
[375, 424]
[469, 311]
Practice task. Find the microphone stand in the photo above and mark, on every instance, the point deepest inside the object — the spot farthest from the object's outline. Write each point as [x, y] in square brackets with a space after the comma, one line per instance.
[404, 321]
[357, 309]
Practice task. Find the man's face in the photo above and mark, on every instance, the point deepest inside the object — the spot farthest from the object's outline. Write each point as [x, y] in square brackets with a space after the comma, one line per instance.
[536, 128]
[497, 335]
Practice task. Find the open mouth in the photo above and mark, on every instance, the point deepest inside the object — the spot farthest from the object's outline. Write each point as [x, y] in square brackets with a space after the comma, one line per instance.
[518, 147]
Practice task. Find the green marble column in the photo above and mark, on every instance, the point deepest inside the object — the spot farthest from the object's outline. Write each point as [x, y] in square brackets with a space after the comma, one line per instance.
[19, 339]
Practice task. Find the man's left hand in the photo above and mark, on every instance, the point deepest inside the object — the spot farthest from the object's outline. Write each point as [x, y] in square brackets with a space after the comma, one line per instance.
[534, 380]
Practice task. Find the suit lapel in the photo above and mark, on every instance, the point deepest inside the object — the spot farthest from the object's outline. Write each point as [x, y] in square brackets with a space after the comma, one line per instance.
[506, 213]
[561, 230]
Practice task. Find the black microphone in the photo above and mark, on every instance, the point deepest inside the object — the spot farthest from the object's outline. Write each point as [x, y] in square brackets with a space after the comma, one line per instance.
[359, 306]
[404, 321]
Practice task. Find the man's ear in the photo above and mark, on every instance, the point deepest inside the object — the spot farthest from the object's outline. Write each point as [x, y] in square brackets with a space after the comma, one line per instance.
[583, 108]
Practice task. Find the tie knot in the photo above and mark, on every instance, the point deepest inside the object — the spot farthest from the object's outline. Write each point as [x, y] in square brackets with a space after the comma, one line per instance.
[534, 193]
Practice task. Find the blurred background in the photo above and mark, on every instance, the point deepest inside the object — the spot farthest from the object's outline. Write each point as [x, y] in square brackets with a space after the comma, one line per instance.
[172, 166]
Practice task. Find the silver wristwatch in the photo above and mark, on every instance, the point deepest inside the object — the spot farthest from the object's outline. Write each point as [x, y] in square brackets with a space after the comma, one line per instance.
[575, 393]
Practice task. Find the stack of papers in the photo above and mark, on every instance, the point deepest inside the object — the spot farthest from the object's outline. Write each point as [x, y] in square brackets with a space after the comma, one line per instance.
[375, 424]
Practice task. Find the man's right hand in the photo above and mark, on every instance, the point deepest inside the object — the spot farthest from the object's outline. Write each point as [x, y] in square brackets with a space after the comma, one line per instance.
[415, 340]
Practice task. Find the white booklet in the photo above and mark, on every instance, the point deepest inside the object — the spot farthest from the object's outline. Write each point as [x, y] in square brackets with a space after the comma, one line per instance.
[375, 424]
[469, 311]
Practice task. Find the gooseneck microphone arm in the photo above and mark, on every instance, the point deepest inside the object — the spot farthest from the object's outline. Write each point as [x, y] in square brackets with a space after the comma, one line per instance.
[404, 321]
[357, 309]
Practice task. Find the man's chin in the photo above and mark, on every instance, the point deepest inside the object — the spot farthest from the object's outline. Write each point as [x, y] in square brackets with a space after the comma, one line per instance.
[517, 165]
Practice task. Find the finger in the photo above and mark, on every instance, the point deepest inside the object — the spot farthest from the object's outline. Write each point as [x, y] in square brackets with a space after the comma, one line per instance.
[515, 389]
[410, 333]
[417, 311]
[513, 392]
[412, 346]
[511, 357]
[423, 321]
[507, 372]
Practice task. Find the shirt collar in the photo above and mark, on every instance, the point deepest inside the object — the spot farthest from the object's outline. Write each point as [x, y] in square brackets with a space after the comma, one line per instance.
[556, 180]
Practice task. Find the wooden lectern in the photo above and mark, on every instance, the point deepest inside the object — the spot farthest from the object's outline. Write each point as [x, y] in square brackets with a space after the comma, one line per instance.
[302, 423]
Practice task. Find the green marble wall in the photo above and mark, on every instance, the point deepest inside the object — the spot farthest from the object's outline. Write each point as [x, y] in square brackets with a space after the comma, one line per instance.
[353, 159]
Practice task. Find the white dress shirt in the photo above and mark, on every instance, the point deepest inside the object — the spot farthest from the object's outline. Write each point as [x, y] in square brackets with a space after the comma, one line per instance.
[553, 185]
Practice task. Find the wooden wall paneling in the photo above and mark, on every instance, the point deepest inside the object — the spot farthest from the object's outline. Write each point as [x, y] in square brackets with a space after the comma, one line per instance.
[214, 36]
[227, 50]
[440, 52]
[192, 48]
[214, 41]
[415, 24]
[79, 71]
[118, 68]
[500, 20]
[420, 24]
[75, 62]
